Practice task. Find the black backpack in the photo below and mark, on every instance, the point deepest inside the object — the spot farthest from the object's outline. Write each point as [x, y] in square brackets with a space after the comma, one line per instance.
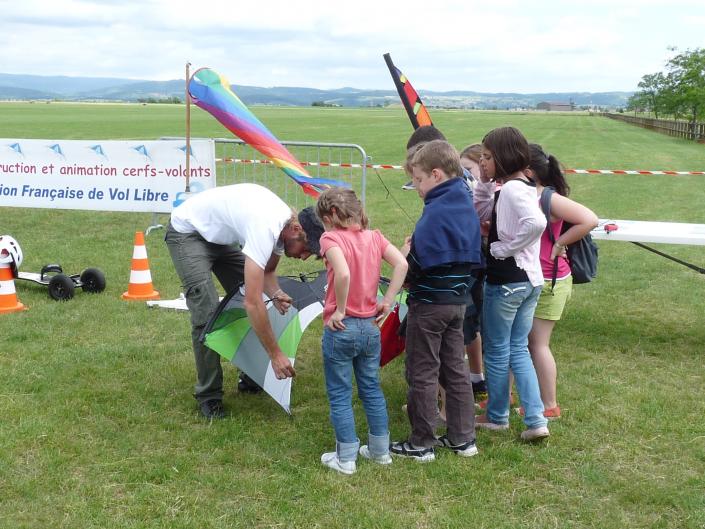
[582, 254]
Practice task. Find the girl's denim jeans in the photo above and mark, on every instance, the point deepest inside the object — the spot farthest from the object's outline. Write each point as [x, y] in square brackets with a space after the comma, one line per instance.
[355, 349]
[507, 317]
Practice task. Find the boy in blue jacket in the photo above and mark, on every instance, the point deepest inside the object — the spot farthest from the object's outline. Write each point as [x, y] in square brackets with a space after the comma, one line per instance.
[444, 246]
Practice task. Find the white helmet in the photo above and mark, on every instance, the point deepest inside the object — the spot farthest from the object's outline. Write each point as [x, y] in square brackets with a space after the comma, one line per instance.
[10, 253]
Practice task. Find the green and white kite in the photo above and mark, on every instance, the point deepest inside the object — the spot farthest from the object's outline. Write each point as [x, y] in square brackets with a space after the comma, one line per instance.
[230, 334]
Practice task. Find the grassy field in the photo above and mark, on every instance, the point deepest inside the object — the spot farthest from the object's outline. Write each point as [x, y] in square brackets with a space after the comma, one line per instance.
[98, 427]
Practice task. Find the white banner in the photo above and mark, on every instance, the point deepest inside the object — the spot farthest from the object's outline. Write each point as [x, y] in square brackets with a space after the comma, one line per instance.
[147, 176]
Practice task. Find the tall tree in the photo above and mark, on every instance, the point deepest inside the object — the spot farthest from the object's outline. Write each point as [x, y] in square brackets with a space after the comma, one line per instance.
[638, 103]
[652, 92]
[686, 81]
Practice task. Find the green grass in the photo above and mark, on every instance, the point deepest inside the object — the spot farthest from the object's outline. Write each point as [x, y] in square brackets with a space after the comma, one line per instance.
[98, 427]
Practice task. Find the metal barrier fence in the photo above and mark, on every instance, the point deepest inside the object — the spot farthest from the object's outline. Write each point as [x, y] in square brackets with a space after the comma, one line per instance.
[237, 162]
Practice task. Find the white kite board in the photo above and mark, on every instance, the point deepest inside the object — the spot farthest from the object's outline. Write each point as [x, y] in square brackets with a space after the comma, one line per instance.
[647, 231]
[173, 304]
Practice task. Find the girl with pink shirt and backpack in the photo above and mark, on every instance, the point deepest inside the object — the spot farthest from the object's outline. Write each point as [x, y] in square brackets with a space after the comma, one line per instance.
[351, 336]
[545, 170]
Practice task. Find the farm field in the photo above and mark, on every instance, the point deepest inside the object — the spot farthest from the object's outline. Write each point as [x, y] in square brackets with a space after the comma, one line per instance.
[98, 427]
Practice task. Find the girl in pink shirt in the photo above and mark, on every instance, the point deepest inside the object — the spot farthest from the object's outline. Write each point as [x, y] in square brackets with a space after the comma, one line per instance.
[351, 339]
[545, 170]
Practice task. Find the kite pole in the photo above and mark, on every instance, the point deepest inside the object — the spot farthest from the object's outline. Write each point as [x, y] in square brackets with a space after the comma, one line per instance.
[188, 131]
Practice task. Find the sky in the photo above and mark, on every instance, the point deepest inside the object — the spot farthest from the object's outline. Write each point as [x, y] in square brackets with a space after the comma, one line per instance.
[490, 46]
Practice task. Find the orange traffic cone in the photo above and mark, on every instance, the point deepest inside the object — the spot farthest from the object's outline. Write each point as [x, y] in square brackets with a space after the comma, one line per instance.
[140, 287]
[8, 296]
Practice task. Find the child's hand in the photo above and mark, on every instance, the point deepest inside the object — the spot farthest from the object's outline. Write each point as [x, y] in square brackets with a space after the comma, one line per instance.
[406, 247]
[558, 250]
[335, 323]
[383, 310]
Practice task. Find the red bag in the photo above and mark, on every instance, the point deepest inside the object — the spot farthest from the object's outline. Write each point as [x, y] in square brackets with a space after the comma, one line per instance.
[393, 343]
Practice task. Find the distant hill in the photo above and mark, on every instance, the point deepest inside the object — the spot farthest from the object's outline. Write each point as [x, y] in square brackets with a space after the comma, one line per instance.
[61, 85]
[38, 87]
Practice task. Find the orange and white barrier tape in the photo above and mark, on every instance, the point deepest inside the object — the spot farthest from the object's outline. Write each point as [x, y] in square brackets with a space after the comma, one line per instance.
[401, 167]
[314, 164]
[626, 171]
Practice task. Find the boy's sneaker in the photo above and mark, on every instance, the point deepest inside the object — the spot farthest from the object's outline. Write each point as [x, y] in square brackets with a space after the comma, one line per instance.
[405, 449]
[330, 459]
[481, 421]
[466, 449]
[409, 186]
[535, 434]
[384, 459]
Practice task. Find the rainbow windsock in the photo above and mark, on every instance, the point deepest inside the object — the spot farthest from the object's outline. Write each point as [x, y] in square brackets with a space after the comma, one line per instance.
[211, 92]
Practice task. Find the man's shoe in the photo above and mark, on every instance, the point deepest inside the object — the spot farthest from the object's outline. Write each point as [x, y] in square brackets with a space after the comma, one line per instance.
[409, 186]
[330, 459]
[246, 385]
[212, 409]
[384, 459]
[405, 449]
[466, 449]
[535, 434]
[481, 421]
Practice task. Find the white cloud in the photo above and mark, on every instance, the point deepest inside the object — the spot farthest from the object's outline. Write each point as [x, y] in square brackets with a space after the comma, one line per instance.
[509, 45]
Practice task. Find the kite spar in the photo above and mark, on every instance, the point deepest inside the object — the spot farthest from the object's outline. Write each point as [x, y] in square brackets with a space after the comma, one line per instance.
[211, 92]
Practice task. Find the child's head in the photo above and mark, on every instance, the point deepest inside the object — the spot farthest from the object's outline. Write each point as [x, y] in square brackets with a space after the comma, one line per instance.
[546, 169]
[432, 163]
[424, 134]
[470, 158]
[339, 208]
[505, 152]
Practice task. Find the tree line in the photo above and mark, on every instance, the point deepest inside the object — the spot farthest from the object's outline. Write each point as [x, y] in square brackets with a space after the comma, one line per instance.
[678, 91]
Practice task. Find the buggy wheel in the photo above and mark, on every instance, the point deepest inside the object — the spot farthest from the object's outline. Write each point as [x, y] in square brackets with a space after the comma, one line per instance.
[93, 280]
[61, 287]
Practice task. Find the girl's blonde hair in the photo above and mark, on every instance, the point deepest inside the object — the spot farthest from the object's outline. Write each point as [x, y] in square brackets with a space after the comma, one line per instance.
[472, 152]
[342, 207]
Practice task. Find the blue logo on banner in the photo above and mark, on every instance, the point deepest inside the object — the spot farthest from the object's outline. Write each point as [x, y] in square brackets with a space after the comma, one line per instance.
[196, 187]
[190, 150]
[98, 149]
[57, 149]
[16, 147]
[142, 150]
